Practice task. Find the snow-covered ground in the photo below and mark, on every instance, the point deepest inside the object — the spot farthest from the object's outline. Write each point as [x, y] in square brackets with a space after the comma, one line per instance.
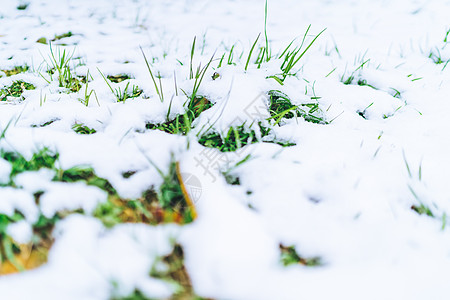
[362, 196]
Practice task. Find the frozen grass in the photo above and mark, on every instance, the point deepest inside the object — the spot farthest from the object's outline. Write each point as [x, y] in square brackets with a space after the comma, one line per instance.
[16, 70]
[282, 108]
[204, 86]
[59, 64]
[82, 129]
[171, 204]
[289, 256]
[15, 90]
[182, 124]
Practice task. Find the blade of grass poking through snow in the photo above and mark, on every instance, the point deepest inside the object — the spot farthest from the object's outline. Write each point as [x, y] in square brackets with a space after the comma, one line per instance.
[287, 48]
[153, 77]
[200, 74]
[175, 82]
[221, 61]
[106, 80]
[2, 136]
[191, 72]
[265, 32]
[251, 51]
[294, 60]
[230, 56]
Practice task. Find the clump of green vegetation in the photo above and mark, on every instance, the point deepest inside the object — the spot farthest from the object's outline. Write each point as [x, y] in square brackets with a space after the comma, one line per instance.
[350, 79]
[45, 123]
[42, 40]
[238, 137]
[23, 6]
[15, 89]
[234, 139]
[60, 65]
[41, 159]
[16, 70]
[118, 78]
[289, 256]
[182, 124]
[291, 57]
[175, 273]
[171, 204]
[134, 92]
[281, 108]
[86, 174]
[422, 210]
[16, 257]
[62, 36]
[171, 269]
[83, 129]
[126, 93]
[232, 178]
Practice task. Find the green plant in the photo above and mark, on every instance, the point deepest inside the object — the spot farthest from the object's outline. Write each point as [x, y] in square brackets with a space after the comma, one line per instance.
[289, 256]
[44, 158]
[88, 94]
[45, 123]
[251, 52]
[292, 57]
[171, 204]
[86, 174]
[173, 195]
[280, 107]
[82, 129]
[8, 247]
[16, 70]
[232, 178]
[126, 93]
[16, 257]
[62, 36]
[182, 124]
[422, 209]
[234, 139]
[15, 89]
[159, 90]
[23, 6]
[118, 78]
[266, 50]
[351, 77]
[60, 64]
[175, 273]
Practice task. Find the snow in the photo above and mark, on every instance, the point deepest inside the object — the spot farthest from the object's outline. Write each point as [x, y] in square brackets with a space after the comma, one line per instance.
[344, 192]
[5, 170]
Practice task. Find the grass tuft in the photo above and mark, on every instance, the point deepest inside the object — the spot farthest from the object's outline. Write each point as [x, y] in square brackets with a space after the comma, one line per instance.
[171, 269]
[82, 129]
[16, 89]
[16, 70]
[44, 158]
[127, 93]
[237, 138]
[171, 204]
[281, 108]
[118, 78]
[60, 65]
[62, 36]
[289, 256]
[182, 124]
